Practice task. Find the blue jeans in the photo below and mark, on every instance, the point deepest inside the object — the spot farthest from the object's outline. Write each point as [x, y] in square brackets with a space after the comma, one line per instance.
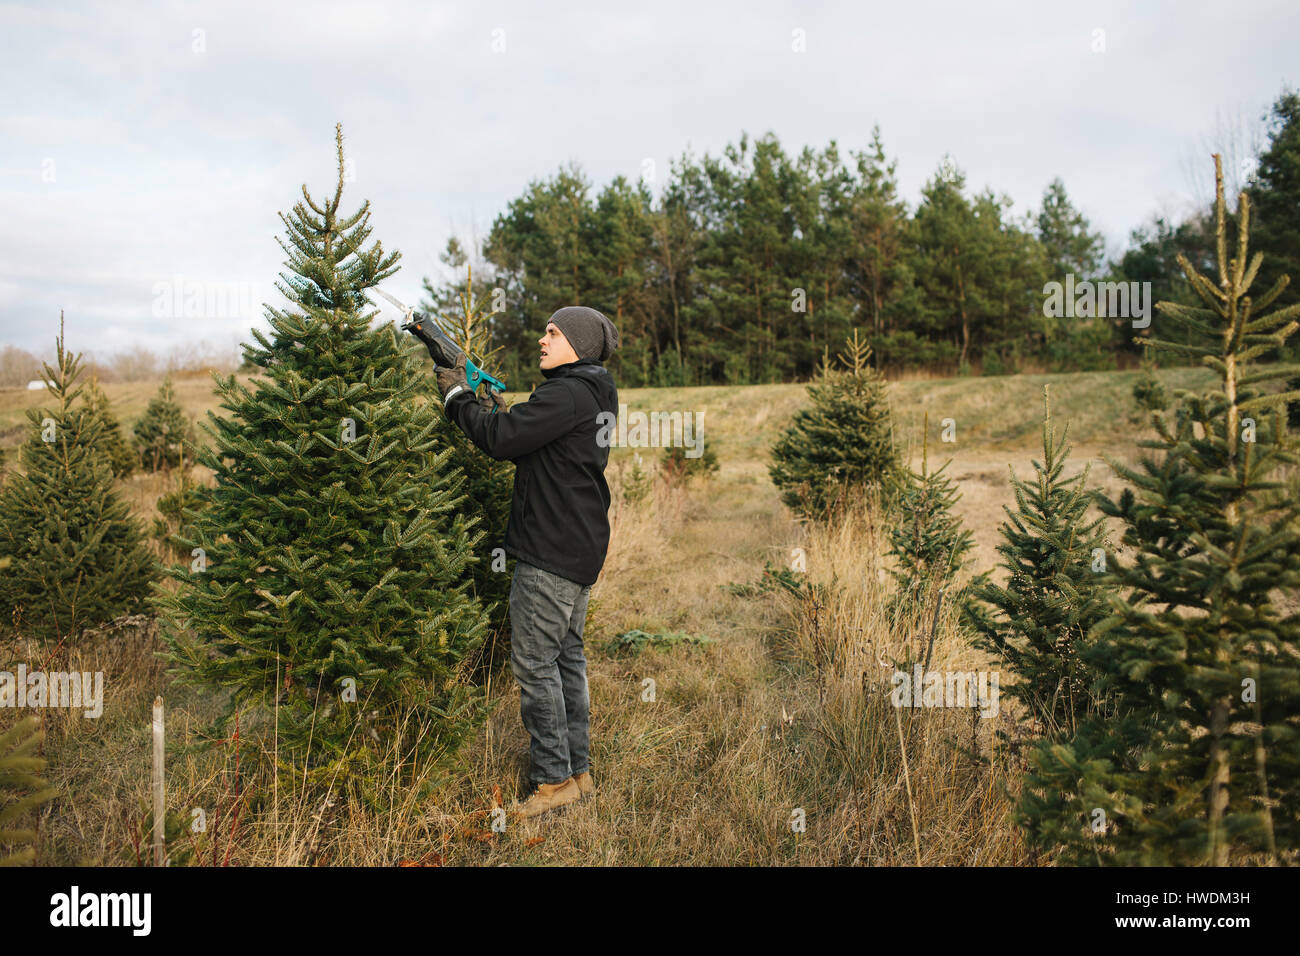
[547, 613]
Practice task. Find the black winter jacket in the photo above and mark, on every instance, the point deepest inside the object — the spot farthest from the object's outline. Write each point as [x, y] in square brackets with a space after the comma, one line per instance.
[558, 516]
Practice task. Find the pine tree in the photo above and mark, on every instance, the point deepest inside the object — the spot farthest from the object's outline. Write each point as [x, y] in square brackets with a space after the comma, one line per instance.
[622, 230]
[679, 468]
[163, 430]
[1067, 237]
[1293, 408]
[1275, 193]
[543, 247]
[1200, 761]
[875, 254]
[77, 556]
[1149, 392]
[976, 271]
[22, 790]
[489, 483]
[171, 528]
[333, 573]
[121, 456]
[927, 540]
[1037, 623]
[1069, 247]
[843, 443]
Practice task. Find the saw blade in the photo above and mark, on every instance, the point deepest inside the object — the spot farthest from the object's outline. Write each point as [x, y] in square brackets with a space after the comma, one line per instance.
[405, 311]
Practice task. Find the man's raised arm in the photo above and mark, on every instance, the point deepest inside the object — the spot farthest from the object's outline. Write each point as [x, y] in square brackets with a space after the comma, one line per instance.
[548, 414]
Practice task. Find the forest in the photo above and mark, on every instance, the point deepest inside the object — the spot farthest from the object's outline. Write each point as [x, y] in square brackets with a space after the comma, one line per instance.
[748, 267]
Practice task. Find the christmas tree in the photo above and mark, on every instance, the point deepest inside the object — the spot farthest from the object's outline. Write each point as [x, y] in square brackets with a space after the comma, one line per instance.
[171, 526]
[1149, 391]
[927, 540]
[1293, 408]
[1199, 763]
[842, 443]
[21, 789]
[122, 458]
[489, 484]
[679, 467]
[1054, 557]
[163, 430]
[76, 556]
[333, 564]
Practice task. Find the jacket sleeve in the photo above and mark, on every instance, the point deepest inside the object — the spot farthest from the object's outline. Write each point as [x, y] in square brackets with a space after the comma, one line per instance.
[549, 413]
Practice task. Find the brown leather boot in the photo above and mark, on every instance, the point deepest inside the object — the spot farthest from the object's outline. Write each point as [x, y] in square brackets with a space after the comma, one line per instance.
[548, 796]
[583, 780]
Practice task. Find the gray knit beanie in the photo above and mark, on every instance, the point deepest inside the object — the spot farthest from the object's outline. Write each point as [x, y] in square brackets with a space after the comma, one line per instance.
[591, 334]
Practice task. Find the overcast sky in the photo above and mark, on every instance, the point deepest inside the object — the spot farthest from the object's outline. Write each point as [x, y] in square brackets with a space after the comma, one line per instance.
[141, 147]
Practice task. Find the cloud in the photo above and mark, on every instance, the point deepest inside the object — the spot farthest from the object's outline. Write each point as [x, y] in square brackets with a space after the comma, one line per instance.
[172, 150]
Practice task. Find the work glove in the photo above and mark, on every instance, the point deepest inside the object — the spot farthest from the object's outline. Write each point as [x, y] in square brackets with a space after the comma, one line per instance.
[493, 401]
[450, 378]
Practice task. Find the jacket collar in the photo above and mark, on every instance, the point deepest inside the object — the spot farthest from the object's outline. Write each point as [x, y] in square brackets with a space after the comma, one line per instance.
[569, 367]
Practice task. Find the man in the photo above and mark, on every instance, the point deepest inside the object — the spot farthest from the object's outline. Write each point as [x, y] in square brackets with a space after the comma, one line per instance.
[558, 534]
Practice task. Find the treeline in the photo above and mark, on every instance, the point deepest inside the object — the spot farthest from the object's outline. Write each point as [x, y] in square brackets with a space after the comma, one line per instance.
[747, 267]
[138, 364]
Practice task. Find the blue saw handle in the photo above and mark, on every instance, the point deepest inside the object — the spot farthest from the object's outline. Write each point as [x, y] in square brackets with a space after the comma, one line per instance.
[475, 375]
[446, 353]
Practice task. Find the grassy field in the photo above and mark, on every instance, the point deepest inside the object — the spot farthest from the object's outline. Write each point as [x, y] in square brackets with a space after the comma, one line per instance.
[767, 724]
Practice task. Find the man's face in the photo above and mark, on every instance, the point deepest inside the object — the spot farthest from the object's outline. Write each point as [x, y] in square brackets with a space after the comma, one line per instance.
[556, 349]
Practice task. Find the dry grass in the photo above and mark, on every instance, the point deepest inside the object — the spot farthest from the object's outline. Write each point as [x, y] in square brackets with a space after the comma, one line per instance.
[784, 712]
[887, 785]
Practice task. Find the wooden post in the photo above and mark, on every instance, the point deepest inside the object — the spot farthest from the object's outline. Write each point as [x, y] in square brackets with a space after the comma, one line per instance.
[934, 626]
[159, 803]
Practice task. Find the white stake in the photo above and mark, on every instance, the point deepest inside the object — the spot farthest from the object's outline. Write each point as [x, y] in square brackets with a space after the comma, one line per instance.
[159, 804]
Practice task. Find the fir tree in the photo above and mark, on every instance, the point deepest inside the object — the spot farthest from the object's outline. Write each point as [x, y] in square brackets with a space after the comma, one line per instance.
[638, 483]
[679, 468]
[333, 573]
[1200, 761]
[171, 528]
[488, 483]
[121, 456]
[21, 789]
[76, 554]
[163, 430]
[1293, 407]
[927, 540]
[1037, 623]
[1149, 392]
[843, 443]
